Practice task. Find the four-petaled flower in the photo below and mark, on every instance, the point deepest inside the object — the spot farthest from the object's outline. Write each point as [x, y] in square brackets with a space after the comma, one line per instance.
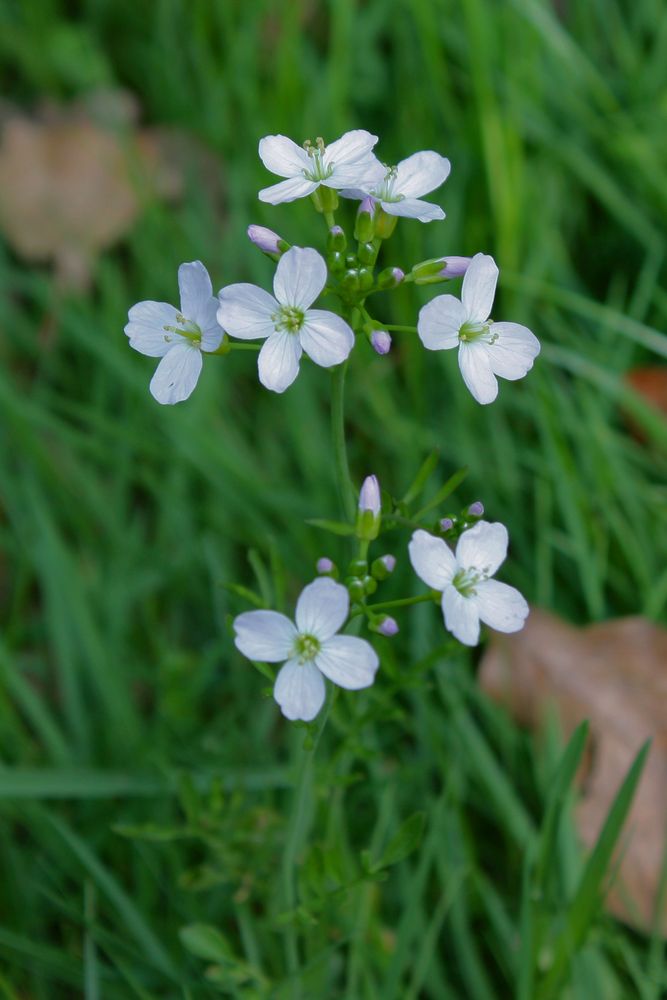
[486, 349]
[313, 649]
[399, 191]
[347, 162]
[468, 594]
[286, 321]
[178, 337]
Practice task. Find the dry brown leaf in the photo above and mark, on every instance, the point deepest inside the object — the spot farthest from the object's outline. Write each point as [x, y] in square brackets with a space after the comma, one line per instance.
[615, 675]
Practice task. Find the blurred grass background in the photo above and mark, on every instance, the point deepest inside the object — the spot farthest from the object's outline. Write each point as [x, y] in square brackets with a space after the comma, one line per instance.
[123, 702]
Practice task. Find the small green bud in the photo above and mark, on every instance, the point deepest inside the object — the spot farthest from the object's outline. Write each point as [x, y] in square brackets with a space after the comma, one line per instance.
[336, 239]
[366, 279]
[355, 589]
[364, 230]
[336, 261]
[390, 277]
[367, 253]
[350, 281]
[369, 513]
[370, 585]
[358, 567]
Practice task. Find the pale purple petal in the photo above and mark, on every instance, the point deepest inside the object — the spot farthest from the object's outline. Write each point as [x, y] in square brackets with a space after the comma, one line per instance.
[300, 276]
[439, 323]
[432, 559]
[421, 173]
[299, 690]
[264, 635]
[355, 193]
[500, 606]
[514, 351]
[289, 190]
[211, 331]
[369, 495]
[278, 361]
[461, 616]
[326, 338]
[177, 374]
[479, 288]
[246, 311]
[348, 661]
[483, 548]
[282, 156]
[146, 328]
[322, 608]
[195, 287]
[475, 365]
[412, 208]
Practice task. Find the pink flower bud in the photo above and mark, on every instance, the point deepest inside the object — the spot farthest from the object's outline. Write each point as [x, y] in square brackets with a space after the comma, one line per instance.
[389, 562]
[454, 267]
[381, 341]
[266, 240]
[388, 626]
[476, 509]
[324, 565]
[446, 524]
[369, 496]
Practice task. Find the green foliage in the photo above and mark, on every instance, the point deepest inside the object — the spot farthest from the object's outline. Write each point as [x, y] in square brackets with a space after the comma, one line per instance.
[149, 843]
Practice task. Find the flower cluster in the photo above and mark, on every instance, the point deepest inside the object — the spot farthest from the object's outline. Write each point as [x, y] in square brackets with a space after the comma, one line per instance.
[458, 555]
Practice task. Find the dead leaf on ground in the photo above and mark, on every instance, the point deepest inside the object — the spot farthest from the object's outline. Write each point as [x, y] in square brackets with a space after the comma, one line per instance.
[615, 675]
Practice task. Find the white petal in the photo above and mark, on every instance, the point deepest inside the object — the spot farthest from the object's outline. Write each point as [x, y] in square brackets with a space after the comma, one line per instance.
[461, 617]
[177, 374]
[278, 361]
[264, 635]
[483, 547]
[439, 323]
[475, 366]
[300, 276]
[211, 331]
[326, 338]
[353, 147]
[412, 208]
[365, 175]
[500, 606]
[514, 351]
[356, 193]
[245, 311]
[479, 287]
[282, 156]
[289, 190]
[299, 690]
[195, 287]
[348, 661]
[432, 559]
[322, 608]
[421, 173]
[145, 328]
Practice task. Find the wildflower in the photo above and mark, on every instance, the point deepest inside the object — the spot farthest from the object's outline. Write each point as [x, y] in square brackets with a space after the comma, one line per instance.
[486, 349]
[313, 649]
[285, 321]
[347, 162]
[469, 595]
[400, 190]
[177, 337]
[381, 341]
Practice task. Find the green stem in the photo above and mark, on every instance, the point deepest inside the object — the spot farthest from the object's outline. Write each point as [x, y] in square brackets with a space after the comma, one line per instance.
[343, 479]
[403, 602]
[400, 329]
[330, 219]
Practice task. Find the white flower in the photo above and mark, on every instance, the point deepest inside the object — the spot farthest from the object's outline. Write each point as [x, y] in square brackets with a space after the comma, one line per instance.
[400, 190]
[486, 349]
[311, 648]
[161, 331]
[286, 321]
[347, 162]
[468, 594]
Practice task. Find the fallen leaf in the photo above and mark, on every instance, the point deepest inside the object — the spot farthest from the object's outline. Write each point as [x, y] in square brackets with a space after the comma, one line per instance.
[615, 675]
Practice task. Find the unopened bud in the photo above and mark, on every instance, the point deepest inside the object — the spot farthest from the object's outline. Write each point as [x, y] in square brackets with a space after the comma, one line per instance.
[267, 241]
[388, 626]
[381, 341]
[324, 565]
[367, 253]
[368, 515]
[381, 568]
[430, 272]
[446, 524]
[390, 277]
[455, 267]
[364, 230]
[336, 239]
[389, 562]
[476, 509]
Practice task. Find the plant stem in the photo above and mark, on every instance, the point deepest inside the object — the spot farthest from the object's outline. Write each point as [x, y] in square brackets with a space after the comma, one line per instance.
[399, 329]
[402, 602]
[343, 479]
[330, 219]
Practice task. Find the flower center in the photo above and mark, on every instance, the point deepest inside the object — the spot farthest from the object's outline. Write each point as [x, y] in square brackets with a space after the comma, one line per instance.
[478, 331]
[466, 580]
[186, 328]
[318, 171]
[385, 192]
[288, 318]
[306, 648]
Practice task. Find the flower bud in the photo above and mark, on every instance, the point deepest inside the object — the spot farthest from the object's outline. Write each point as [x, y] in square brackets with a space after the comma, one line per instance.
[365, 279]
[267, 241]
[381, 568]
[367, 253]
[390, 277]
[430, 272]
[388, 626]
[324, 565]
[364, 230]
[381, 341]
[476, 509]
[336, 239]
[446, 524]
[368, 515]
[455, 267]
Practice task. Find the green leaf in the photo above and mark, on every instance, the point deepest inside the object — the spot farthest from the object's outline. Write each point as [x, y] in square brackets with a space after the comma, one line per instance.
[404, 841]
[426, 470]
[206, 942]
[445, 490]
[334, 527]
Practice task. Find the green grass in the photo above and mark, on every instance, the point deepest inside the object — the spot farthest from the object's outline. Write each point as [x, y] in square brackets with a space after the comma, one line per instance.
[146, 780]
